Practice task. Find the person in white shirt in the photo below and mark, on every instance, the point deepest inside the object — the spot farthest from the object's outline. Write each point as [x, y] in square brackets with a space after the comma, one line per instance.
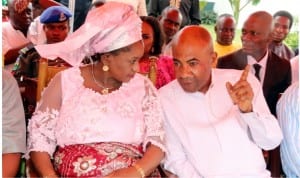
[217, 120]
[14, 31]
[13, 126]
[288, 112]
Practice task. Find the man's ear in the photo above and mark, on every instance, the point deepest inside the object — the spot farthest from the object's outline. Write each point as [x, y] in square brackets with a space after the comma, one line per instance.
[214, 57]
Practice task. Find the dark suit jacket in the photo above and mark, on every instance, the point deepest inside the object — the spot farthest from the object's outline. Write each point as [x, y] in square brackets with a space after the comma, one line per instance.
[277, 75]
[189, 9]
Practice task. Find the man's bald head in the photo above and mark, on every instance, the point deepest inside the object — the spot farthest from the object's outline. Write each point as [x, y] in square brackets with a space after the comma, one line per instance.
[256, 34]
[193, 53]
[193, 36]
[263, 19]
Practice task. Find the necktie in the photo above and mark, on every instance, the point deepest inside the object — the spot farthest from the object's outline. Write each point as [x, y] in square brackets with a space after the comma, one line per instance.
[257, 68]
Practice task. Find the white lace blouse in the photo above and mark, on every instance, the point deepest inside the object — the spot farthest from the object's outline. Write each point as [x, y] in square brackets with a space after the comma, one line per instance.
[69, 113]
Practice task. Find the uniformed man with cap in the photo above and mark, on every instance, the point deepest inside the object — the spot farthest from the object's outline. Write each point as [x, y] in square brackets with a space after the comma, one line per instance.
[55, 20]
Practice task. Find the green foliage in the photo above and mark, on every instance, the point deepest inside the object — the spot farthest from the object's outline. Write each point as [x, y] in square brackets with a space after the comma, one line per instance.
[208, 17]
[255, 2]
[207, 14]
[202, 4]
[4, 2]
[292, 40]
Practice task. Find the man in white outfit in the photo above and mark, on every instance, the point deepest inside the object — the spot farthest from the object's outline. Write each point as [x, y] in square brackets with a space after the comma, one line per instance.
[217, 120]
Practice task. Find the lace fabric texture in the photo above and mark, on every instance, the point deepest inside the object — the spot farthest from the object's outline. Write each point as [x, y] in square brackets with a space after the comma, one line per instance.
[69, 113]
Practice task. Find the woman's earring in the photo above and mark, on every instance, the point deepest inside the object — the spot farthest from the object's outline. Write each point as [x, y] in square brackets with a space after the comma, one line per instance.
[105, 68]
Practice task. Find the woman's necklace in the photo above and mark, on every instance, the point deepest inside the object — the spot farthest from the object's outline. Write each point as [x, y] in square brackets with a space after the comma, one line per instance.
[105, 90]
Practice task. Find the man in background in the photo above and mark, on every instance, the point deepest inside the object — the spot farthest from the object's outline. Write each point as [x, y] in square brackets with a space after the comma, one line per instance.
[170, 21]
[282, 24]
[225, 33]
[56, 26]
[188, 8]
[14, 31]
[273, 72]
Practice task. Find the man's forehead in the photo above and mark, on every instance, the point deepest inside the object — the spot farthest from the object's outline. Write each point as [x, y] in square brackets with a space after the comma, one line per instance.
[173, 15]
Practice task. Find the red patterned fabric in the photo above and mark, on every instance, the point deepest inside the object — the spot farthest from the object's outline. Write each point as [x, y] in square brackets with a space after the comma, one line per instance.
[96, 159]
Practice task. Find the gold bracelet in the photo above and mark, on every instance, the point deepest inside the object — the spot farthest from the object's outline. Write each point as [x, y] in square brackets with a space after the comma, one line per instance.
[140, 170]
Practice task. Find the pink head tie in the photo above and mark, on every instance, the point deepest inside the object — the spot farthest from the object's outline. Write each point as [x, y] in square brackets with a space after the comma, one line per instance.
[109, 27]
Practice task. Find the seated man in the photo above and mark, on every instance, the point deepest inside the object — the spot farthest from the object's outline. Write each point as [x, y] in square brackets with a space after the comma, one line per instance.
[15, 30]
[217, 120]
[56, 26]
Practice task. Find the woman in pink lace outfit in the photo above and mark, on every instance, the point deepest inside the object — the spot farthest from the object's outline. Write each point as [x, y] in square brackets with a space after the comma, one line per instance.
[100, 119]
[153, 38]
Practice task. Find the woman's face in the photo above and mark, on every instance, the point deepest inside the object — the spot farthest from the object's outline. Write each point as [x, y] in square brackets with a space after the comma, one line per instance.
[125, 64]
[148, 37]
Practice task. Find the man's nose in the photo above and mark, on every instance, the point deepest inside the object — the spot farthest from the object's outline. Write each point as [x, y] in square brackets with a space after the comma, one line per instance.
[185, 71]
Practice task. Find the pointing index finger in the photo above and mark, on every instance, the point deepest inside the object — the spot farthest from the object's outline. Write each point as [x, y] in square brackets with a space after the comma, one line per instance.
[245, 73]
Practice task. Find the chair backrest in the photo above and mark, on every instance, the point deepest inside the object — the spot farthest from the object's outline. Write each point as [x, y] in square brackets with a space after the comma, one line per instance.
[45, 74]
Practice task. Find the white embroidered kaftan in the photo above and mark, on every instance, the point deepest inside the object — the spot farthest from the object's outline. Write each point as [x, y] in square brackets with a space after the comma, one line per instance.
[207, 135]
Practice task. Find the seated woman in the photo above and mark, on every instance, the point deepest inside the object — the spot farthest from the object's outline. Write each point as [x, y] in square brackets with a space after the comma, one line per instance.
[158, 68]
[100, 119]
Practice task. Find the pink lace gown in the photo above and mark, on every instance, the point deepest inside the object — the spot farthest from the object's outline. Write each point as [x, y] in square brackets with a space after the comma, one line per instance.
[73, 117]
[165, 70]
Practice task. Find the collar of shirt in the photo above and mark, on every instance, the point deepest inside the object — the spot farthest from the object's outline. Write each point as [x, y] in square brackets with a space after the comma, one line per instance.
[262, 63]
